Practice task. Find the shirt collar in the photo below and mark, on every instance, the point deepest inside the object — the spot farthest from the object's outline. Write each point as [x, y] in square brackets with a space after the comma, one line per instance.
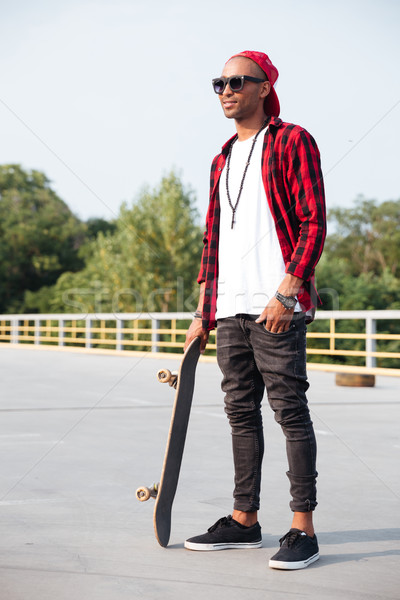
[274, 121]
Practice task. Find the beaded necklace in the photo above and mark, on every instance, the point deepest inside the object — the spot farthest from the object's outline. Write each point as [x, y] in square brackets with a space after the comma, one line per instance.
[228, 164]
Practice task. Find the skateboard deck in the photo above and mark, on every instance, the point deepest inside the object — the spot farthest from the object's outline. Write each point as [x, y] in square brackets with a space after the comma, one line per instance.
[164, 492]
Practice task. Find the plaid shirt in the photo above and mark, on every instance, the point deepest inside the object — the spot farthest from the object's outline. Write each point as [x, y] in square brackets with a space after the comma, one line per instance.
[293, 183]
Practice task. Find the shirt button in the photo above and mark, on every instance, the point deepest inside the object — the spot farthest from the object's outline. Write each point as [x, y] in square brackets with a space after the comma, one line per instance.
[219, 169]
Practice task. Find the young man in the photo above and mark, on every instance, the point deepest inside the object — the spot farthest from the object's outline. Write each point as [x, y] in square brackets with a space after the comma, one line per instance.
[265, 231]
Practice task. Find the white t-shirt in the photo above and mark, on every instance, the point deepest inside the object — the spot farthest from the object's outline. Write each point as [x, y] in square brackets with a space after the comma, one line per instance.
[251, 265]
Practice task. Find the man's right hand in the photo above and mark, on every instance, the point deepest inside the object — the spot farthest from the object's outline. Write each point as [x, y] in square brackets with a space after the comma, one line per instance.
[196, 330]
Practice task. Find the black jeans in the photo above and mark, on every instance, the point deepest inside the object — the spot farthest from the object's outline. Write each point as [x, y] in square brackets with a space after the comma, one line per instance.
[252, 359]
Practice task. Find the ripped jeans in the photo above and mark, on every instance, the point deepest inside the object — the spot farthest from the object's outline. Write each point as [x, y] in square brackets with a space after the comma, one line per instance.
[253, 359]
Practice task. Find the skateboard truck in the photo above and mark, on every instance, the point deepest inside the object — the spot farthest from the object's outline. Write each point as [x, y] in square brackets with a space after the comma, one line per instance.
[167, 376]
[144, 493]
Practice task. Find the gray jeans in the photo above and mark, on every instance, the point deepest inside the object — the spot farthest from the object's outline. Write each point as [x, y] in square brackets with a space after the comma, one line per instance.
[252, 359]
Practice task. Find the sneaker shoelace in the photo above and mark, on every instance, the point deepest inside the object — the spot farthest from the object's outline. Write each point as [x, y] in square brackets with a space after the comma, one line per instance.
[223, 522]
[291, 537]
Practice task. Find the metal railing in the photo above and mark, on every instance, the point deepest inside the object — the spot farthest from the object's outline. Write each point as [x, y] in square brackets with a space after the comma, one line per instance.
[369, 321]
[115, 332]
[165, 333]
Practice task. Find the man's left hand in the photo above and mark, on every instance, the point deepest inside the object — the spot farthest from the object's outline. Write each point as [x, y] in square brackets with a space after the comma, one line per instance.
[276, 317]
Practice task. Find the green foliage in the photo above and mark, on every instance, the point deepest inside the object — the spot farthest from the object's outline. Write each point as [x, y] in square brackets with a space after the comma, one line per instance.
[360, 266]
[360, 270]
[367, 237]
[95, 225]
[149, 262]
[39, 236]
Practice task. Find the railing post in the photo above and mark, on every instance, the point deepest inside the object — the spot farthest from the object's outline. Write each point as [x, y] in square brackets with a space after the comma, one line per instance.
[88, 334]
[332, 330]
[61, 332]
[37, 331]
[155, 336]
[119, 327]
[370, 344]
[14, 331]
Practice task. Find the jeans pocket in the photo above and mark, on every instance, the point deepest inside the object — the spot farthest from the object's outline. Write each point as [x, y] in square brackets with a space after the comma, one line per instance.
[292, 326]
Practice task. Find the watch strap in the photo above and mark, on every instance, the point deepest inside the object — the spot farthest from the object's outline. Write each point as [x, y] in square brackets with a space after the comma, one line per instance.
[288, 302]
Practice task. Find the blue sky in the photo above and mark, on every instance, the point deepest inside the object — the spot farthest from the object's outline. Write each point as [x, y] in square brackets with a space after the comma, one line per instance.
[106, 97]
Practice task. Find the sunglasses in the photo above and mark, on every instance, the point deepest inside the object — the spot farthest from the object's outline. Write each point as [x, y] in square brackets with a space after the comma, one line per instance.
[236, 82]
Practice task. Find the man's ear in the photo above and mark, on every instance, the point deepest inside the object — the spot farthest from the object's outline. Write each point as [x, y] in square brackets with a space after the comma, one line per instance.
[265, 89]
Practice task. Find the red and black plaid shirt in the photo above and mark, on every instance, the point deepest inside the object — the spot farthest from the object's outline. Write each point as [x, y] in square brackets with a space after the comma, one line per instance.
[292, 177]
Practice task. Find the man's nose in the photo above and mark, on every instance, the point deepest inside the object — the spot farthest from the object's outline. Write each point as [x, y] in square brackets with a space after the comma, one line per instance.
[227, 91]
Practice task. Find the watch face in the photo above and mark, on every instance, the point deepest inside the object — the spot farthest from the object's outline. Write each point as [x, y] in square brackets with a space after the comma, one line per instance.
[290, 302]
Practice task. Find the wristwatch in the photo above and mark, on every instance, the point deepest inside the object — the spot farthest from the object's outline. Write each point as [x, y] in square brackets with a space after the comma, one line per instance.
[288, 302]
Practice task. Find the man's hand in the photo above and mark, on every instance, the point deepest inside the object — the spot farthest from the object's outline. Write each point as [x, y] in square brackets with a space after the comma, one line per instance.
[196, 330]
[277, 318]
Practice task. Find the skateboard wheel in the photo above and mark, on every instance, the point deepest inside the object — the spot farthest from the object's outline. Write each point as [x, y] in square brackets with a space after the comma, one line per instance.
[143, 494]
[164, 375]
[167, 376]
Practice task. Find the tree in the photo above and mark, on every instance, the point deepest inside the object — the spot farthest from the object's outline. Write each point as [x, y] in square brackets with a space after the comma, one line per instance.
[360, 265]
[95, 225]
[149, 263]
[360, 270]
[39, 235]
[366, 236]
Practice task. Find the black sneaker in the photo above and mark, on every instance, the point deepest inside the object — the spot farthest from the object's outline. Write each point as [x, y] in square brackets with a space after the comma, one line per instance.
[227, 533]
[297, 551]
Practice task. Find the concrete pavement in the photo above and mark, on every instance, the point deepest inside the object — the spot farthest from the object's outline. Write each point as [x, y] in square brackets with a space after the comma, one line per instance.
[80, 432]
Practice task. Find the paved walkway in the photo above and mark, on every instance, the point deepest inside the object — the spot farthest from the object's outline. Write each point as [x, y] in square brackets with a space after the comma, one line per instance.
[79, 433]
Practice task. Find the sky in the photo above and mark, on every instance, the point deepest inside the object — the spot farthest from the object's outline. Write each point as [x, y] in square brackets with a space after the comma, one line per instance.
[107, 97]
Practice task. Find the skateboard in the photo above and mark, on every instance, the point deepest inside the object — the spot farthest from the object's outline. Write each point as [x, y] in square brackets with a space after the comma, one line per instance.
[164, 492]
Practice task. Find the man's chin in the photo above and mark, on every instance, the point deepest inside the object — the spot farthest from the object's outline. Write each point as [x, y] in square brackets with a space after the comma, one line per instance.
[230, 114]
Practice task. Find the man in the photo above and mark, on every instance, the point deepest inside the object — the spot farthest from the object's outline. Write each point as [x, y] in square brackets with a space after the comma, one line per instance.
[265, 231]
